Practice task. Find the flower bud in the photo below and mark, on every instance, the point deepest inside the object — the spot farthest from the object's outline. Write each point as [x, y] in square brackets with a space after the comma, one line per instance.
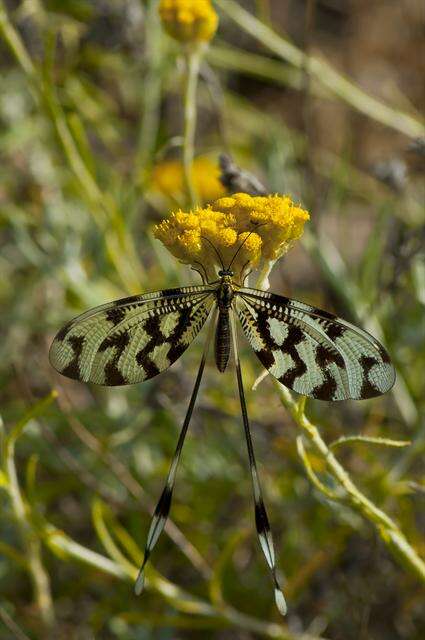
[189, 21]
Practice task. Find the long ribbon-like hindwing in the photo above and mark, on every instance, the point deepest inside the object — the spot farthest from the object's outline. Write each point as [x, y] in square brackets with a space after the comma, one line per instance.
[261, 519]
[163, 507]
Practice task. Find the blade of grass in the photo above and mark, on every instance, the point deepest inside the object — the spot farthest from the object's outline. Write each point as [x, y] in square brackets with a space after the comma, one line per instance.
[101, 205]
[134, 488]
[322, 72]
[31, 542]
[66, 548]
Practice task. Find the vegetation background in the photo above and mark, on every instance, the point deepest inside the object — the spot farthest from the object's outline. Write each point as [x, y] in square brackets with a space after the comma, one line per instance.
[321, 100]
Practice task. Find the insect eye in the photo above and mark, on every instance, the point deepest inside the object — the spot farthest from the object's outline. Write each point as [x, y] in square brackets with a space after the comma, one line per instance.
[221, 273]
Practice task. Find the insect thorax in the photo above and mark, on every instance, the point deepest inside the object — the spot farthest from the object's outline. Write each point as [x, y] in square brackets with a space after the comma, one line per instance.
[225, 293]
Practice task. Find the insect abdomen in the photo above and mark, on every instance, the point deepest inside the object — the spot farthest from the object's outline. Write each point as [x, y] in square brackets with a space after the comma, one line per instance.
[222, 340]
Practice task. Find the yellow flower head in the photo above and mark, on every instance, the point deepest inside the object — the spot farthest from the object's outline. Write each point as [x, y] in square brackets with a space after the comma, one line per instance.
[189, 20]
[167, 178]
[242, 230]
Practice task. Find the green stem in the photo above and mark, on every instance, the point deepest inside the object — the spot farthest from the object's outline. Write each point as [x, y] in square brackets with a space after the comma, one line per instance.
[30, 539]
[387, 529]
[15, 43]
[193, 58]
[67, 548]
[332, 495]
[151, 98]
[387, 442]
[257, 66]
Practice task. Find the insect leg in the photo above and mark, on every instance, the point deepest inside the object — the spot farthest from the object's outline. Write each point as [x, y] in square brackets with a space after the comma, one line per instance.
[162, 509]
[261, 519]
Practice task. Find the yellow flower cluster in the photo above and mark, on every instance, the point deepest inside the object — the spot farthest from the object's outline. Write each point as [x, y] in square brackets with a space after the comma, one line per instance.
[189, 20]
[167, 178]
[263, 226]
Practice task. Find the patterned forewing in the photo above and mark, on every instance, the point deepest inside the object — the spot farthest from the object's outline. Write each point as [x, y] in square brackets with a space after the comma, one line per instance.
[132, 339]
[312, 351]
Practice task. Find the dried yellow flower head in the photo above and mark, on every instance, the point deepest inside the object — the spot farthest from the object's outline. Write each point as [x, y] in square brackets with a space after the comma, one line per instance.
[263, 227]
[167, 178]
[189, 20]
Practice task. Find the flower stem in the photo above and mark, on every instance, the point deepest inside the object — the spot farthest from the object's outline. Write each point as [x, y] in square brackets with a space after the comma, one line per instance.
[193, 58]
[387, 529]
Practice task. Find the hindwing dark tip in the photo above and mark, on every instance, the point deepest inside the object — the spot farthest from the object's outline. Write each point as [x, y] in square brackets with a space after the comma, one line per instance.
[164, 503]
[261, 520]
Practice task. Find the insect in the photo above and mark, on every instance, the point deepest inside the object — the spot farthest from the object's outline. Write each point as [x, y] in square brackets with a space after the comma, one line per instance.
[308, 350]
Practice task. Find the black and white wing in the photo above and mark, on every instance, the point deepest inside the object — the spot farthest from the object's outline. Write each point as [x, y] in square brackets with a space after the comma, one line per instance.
[132, 339]
[312, 351]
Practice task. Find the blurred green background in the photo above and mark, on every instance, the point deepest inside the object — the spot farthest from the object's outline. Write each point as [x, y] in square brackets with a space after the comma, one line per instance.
[321, 100]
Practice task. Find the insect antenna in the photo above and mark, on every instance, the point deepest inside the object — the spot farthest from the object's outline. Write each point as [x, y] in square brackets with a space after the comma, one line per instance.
[261, 519]
[215, 249]
[162, 509]
[257, 226]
